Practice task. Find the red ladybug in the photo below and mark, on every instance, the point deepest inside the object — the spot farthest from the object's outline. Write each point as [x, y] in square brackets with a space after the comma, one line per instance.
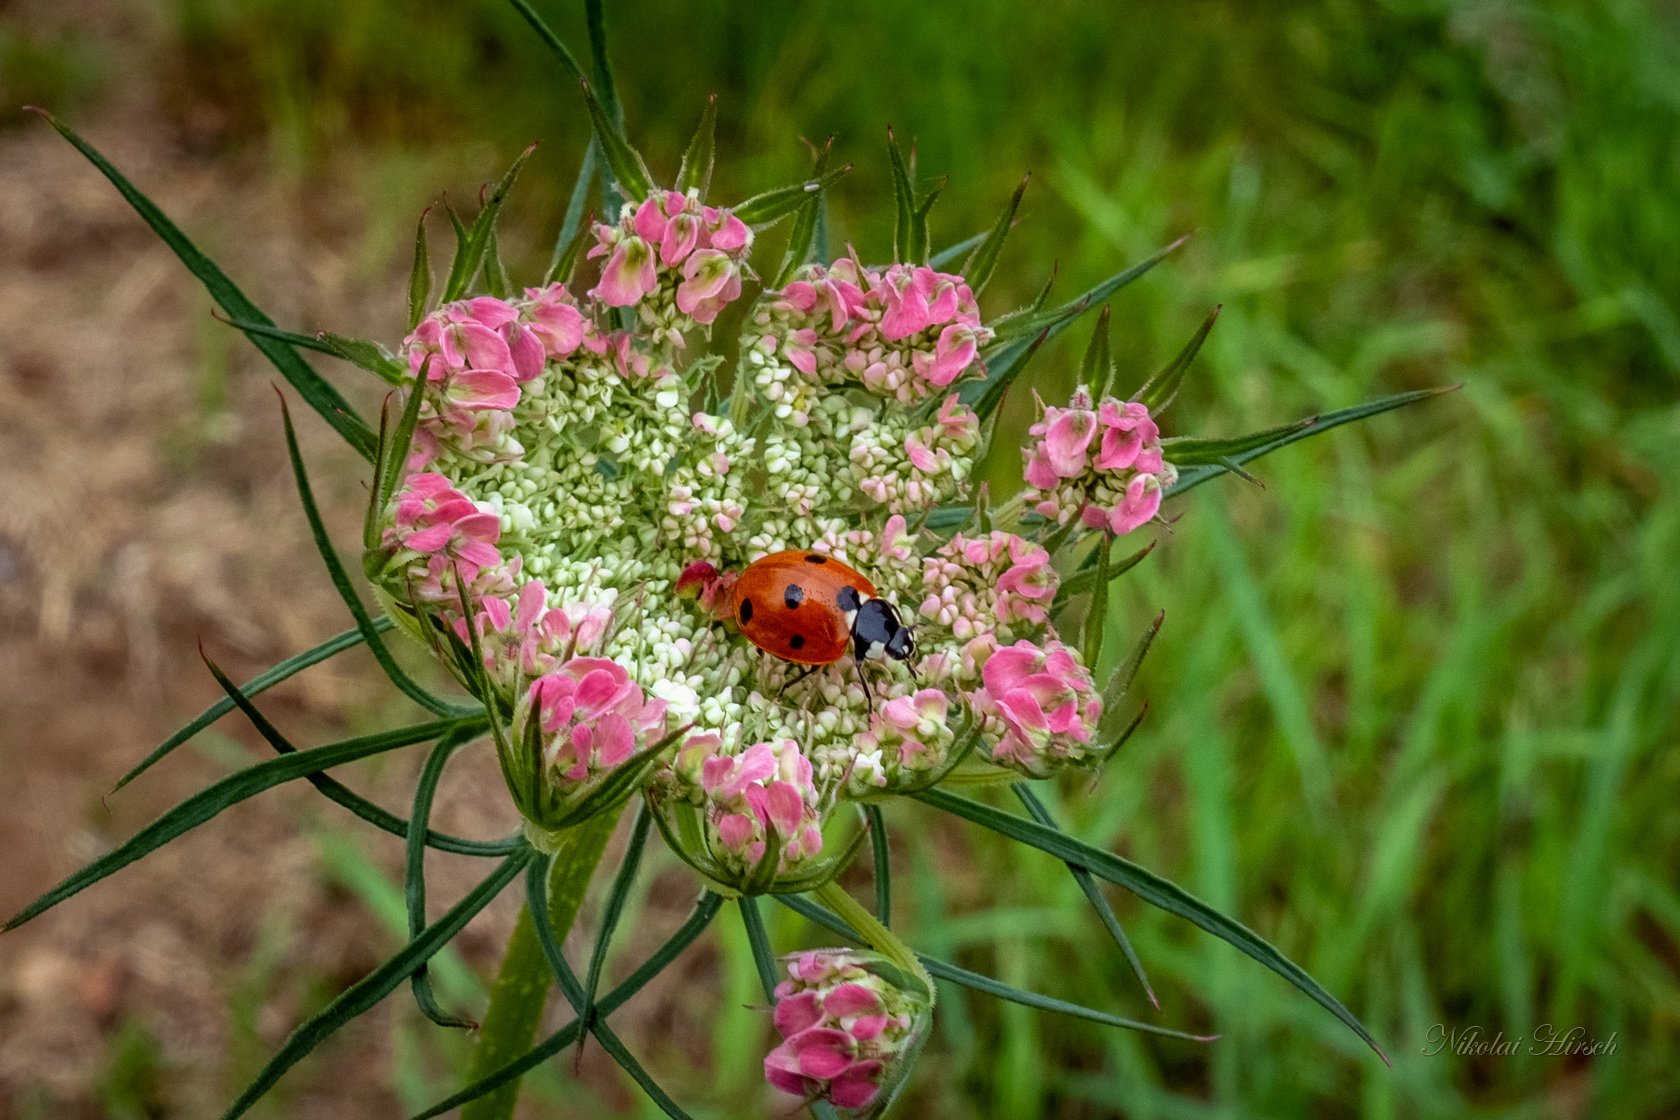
[810, 609]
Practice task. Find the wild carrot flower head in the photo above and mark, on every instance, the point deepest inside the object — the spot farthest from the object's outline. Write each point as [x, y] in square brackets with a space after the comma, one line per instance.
[1101, 462]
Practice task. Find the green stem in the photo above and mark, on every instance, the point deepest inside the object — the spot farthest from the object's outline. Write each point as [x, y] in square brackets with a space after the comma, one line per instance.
[521, 989]
[882, 939]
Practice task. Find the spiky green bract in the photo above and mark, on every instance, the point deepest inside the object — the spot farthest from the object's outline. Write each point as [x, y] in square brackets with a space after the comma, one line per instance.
[1152, 889]
[695, 173]
[414, 878]
[376, 985]
[1158, 392]
[771, 206]
[470, 249]
[322, 397]
[1194, 476]
[704, 911]
[978, 269]
[231, 790]
[805, 222]
[623, 881]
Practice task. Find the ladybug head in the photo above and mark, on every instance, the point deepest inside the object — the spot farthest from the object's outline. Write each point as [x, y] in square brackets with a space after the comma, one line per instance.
[877, 632]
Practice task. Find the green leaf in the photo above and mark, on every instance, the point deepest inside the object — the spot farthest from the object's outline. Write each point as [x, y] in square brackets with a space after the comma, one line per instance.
[366, 355]
[1097, 367]
[955, 974]
[376, 985]
[596, 17]
[771, 206]
[1152, 889]
[262, 682]
[620, 894]
[626, 166]
[978, 268]
[414, 879]
[336, 791]
[346, 591]
[704, 911]
[764, 957]
[880, 853]
[1096, 618]
[573, 227]
[695, 173]
[322, 397]
[1093, 893]
[1158, 392]
[420, 275]
[231, 790]
[904, 203]
[1012, 328]
[471, 249]
[804, 223]
[536, 901]
[1312, 426]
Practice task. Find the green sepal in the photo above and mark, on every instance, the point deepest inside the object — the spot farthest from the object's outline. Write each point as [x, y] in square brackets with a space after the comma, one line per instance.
[804, 222]
[420, 275]
[320, 396]
[625, 165]
[1158, 392]
[680, 825]
[772, 206]
[1312, 426]
[376, 985]
[1154, 890]
[695, 172]
[704, 911]
[1093, 893]
[978, 269]
[472, 244]
[1096, 369]
[231, 790]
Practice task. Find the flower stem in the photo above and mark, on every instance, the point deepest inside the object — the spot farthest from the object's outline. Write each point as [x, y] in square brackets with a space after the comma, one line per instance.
[521, 989]
[880, 938]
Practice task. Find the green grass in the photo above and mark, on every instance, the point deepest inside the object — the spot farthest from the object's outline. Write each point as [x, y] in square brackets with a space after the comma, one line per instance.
[1414, 706]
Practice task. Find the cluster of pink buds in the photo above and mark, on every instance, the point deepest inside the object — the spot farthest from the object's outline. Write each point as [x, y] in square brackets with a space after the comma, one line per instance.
[984, 589]
[523, 638]
[1045, 708]
[748, 801]
[909, 739]
[478, 355]
[849, 1022]
[575, 725]
[676, 250]
[904, 332]
[1099, 462]
[436, 534]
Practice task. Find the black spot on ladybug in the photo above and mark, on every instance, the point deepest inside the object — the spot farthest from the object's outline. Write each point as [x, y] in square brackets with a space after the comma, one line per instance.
[847, 599]
[793, 596]
[746, 611]
[815, 558]
[796, 642]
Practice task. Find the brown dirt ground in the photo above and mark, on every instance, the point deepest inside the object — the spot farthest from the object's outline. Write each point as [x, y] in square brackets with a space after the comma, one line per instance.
[145, 507]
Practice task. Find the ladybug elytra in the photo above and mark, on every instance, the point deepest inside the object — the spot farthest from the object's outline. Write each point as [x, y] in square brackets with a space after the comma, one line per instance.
[811, 609]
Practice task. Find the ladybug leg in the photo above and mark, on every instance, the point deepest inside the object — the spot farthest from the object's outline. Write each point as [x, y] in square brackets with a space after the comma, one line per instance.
[857, 667]
[809, 669]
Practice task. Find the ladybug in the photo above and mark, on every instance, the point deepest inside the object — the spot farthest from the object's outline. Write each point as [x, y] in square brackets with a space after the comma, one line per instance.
[811, 609]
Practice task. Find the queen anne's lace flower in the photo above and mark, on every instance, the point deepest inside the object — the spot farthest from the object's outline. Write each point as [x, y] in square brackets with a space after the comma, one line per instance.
[844, 1027]
[1102, 464]
[1045, 705]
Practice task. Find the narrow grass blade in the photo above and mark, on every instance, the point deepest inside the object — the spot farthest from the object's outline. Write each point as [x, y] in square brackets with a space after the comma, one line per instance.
[231, 790]
[763, 209]
[549, 38]
[279, 334]
[596, 18]
[883, 872]
[338, 792]
[704, 911]
[1093, 893]
[628, 171]
[1152, 889]
[364, 354]
[262, 682]
[322, 397]
[1195, 476]
[536, 901]
[420, 275]
[1158, 392]
[346, 591]
[568, 245]
[695, 172]
[471, 250]
[414, 879]
[620, 894]
[376, 985]
[978, 268]
[955, 974]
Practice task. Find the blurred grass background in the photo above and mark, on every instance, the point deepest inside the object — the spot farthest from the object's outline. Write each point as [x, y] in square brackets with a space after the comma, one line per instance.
[1413, 709]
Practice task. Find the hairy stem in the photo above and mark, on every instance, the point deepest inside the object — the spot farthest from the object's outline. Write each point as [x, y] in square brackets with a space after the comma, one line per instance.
[521, 989]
